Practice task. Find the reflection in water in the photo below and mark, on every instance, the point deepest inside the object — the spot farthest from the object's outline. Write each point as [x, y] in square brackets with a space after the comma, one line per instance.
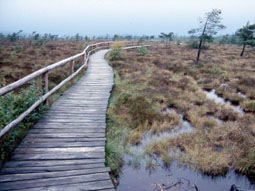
[213, 96]
[144, 180]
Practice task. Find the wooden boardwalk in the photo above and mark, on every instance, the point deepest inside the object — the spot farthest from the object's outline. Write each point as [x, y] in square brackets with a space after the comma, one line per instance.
[65, 150]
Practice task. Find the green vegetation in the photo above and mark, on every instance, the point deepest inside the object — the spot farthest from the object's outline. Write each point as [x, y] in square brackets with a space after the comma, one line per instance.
[143, 50]
[11, 106]
[116, 51]
[18, 48]
[114, 147]
[194, 43]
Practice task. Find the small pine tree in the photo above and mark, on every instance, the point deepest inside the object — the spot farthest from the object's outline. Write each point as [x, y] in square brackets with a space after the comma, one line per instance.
[209, 27]
[246, 35]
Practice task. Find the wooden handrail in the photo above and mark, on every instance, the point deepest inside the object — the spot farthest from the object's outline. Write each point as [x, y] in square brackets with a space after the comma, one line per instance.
[44, 73]
[37, 73]
[38, 102]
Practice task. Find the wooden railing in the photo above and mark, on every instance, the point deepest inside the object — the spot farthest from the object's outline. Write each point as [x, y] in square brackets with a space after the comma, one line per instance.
[44, 73]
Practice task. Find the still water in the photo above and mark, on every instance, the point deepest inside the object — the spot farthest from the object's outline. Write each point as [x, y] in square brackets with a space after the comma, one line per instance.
[175, 176]
[141, 179]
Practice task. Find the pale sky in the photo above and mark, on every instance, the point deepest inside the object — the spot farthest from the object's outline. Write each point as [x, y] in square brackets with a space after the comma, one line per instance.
[101, 17]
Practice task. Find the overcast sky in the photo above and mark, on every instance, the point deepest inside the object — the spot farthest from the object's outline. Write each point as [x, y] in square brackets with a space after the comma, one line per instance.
[101, 17]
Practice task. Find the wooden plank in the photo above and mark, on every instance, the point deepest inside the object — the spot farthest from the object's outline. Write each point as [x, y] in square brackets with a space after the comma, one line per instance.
[51, 163]
[32, 170]
[76, 117]
[56, 156]
[54, 181]
[62, 140]
[62, 145]
[76, 123]
[70, 126]
[58, 150]
[66, 135]
[88, 186]
[67, 130]
[73, 120]
[38, 173]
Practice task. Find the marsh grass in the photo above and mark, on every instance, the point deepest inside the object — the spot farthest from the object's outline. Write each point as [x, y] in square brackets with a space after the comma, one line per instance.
[167, 77]
[16, 63]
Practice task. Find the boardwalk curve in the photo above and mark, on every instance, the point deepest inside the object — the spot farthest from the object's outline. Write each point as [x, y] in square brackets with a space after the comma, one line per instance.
[65, 150]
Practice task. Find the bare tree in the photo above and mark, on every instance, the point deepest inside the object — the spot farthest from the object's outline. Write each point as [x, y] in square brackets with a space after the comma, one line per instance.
[209, 26]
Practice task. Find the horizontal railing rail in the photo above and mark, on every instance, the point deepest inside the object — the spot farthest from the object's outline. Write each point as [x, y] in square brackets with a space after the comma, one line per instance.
[44, 73]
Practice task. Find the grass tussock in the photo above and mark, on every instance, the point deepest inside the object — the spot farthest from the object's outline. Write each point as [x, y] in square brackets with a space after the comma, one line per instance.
[167, 77]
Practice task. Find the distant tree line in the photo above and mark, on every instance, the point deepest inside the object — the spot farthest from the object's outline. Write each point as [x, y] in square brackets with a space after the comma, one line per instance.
[199, 37]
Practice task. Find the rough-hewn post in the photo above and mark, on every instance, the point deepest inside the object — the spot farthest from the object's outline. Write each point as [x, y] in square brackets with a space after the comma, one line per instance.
[45, 84]
[84, 57]
[72, 70]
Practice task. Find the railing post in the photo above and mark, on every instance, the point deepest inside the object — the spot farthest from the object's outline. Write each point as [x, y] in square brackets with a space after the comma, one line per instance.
[45, 85]
[72, 70]
[84, 58]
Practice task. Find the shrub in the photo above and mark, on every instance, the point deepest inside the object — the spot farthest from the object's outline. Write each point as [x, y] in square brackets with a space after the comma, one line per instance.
[11, 106]
[142, 51]
[115, 54]
[39, 42]
[216, 70]
[116, 51]
[195, 44]
[18, 48]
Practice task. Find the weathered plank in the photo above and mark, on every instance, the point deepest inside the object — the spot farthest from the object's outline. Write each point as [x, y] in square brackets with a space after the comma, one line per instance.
[88, 186]
[67, 130]
[50, 163]
[33, 170]
[54, 181]
[62, 145]
[66, 135]
[58, 150]
[56, 156]
[61, 140]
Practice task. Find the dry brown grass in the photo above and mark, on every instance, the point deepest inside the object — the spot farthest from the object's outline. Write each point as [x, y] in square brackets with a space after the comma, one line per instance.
[168, 77]
[17, 64]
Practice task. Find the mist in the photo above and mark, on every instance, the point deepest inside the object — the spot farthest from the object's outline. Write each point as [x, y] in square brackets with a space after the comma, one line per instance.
[101, 17]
